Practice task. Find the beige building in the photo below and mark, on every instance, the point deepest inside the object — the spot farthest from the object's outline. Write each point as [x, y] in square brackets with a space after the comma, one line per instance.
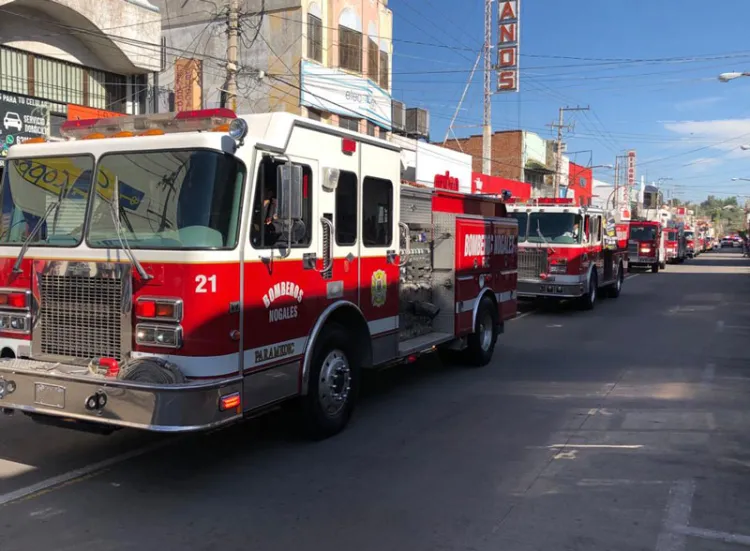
[325, 59]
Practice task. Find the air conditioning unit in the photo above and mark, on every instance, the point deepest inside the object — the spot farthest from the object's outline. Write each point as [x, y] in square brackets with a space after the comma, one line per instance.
[418, 122]
[398, 114]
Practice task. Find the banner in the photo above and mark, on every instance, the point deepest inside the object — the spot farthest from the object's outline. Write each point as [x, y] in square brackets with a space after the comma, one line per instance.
[508, 45]
[21, 118]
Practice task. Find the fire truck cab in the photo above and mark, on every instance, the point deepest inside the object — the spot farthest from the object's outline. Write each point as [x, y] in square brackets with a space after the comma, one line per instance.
[646, 245]
[567, 251]
[178, 272]
[674, 245]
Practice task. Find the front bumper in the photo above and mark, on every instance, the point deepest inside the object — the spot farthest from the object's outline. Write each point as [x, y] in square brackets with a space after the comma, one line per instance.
[63, 391]
[531, 288]
[642, 260]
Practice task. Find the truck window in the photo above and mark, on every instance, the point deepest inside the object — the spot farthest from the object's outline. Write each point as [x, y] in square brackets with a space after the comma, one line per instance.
[346, 209]
[266, 231]
[554, 227]
[377, 207]
[172, 199]
[523, 221]
[32, 186]
[642, 233]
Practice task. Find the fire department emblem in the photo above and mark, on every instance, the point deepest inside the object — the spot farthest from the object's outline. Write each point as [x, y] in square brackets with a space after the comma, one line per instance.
[379, 288]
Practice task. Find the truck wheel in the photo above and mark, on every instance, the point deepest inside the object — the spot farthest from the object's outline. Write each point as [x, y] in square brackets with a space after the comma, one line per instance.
[615, 289]
[481, 343]
[655, 268]
[588, 301]
[334, 382]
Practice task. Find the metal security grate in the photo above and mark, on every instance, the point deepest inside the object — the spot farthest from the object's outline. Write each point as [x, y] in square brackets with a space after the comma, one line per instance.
[531, 263]
[80, 316]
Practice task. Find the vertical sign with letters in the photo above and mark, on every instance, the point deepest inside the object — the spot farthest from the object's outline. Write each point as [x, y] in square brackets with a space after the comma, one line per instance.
[508, 45]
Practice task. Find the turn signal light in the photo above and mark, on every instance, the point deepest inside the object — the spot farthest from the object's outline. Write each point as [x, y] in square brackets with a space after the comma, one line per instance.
[163, 309]
[230, 401]
[13, 300]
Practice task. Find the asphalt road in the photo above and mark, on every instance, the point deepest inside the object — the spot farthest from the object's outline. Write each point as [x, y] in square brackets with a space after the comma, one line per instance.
[625, 428]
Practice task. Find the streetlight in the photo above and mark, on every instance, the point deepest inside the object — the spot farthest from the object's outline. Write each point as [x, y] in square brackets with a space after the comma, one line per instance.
[726, 77]
[741, 179]
[745, 147]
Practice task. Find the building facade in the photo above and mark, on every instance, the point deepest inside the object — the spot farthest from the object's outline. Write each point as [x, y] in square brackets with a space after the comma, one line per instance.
[328, 60]
[581, 182]
[57, 56]
[516, 155]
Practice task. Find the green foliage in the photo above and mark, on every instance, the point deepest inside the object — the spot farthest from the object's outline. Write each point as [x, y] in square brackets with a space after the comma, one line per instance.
[724, 212]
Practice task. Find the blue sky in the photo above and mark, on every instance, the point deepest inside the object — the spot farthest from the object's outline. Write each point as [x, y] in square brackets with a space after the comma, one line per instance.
[683, 123]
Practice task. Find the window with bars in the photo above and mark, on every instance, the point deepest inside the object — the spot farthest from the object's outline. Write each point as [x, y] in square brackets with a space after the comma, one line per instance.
[370, 129]
[384, 71]
[350, 49]
[372, 59]
[62, 82]
[349, 123]
[314, 38]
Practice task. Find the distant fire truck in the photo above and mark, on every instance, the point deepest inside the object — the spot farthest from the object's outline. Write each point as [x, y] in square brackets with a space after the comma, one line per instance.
[674, 244]
[646, 245]
[568, 251]
[177, 272]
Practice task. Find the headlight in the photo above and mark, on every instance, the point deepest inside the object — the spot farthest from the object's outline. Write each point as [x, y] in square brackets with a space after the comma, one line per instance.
[162, 336]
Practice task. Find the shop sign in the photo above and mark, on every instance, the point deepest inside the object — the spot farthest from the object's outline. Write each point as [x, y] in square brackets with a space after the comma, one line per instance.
[21, 118]
[508, 45]
[345, 94]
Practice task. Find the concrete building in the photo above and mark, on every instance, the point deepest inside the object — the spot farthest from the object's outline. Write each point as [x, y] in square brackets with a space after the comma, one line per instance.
[516, 155]
[59, 55]
[326, 59]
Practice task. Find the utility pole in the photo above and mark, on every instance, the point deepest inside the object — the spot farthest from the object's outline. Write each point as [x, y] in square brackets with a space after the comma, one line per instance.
[233, 20]
[487, 123]
[560, 126]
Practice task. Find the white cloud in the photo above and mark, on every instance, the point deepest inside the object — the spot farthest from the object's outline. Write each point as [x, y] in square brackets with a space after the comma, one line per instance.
[723, 135]
[697, 103]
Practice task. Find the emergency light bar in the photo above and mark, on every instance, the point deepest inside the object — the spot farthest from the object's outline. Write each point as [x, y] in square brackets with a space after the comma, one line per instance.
[145, 125]
[543, 201]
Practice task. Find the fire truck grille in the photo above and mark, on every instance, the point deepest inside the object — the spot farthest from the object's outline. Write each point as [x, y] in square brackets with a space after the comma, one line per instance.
[633, 249]
[531, 263]
[80, 316]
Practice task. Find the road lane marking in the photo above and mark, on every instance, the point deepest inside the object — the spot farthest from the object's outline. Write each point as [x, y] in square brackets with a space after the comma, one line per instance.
[80, 473]
[677, 515]
[705, 533]
[9, 469]
[598, 446]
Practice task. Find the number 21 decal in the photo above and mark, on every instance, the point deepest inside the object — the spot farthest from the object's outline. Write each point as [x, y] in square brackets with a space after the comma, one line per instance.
[205, 284]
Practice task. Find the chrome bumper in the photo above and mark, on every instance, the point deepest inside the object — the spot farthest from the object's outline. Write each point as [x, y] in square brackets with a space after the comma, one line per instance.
[63, 391]
[528, 288]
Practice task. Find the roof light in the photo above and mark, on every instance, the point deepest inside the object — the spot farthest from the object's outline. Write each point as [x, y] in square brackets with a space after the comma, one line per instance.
[148, 125]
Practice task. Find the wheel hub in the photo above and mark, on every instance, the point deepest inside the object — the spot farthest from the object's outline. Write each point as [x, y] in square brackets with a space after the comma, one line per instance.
[485, 332]
[335, 383]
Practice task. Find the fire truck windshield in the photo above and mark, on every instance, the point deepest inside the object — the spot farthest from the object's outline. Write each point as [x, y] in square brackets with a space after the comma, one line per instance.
[183, 199]
[689, 235]
[554, 227]
[50, 190]
[523, 222]
[642, 233]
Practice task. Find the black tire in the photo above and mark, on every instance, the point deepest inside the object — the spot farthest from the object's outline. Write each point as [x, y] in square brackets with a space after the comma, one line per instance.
[614, 290]
[588, 301]
[335, 366]
[481, 343]
[655, 268]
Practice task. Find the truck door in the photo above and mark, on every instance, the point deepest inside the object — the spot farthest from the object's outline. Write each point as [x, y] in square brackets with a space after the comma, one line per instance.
[281, 297]
[596, 244]
[379, 247]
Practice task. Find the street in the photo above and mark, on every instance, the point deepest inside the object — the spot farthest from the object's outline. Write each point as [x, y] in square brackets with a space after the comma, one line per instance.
[624, 428]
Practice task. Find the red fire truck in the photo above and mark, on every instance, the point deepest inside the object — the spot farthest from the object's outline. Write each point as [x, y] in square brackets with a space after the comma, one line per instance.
[692, 250]
[178, 272]
[568, 251]
[674, 245]
[646, 245]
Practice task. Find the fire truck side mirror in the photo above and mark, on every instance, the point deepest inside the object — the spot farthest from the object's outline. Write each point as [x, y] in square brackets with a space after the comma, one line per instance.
[289, 191]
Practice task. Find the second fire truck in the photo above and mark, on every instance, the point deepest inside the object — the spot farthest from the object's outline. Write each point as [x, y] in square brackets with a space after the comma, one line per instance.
[178, 272]
[566, 251]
